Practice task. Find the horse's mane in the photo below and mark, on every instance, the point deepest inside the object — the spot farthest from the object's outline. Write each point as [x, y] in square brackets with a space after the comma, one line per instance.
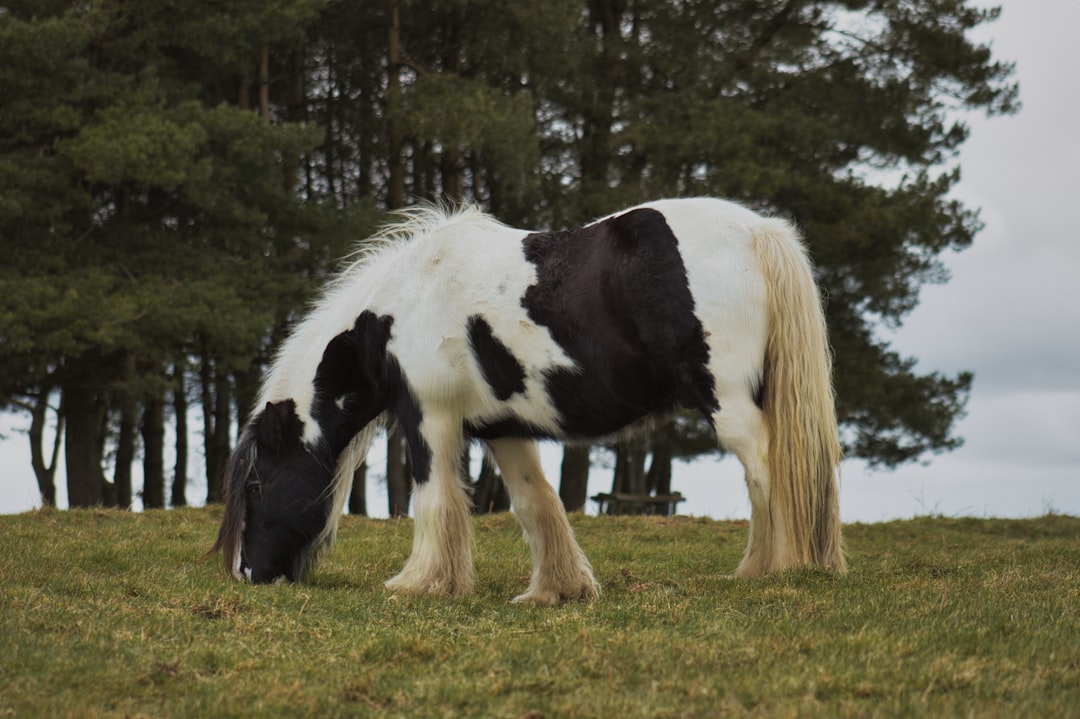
[347, 287]
[241, 462]
[407, 224]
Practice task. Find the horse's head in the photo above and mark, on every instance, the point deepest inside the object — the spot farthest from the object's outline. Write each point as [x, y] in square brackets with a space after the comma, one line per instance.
[278, 488]
[277, 500]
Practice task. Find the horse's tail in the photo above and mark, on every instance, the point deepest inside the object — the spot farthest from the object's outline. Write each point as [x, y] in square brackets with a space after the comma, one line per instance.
[799, 405]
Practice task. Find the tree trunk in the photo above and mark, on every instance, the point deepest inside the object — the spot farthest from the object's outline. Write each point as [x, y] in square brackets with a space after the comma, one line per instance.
[489, 491]
[178, 496]
[215, 405]
[84, 408]
[332, 123]
[206, 399]
[222, 423]
[153, 436]
[397, 474]
[629, 467]
[424, 184]
[243, 93]
[574, 477]
[453, 180]
[264, 82]
[605, 18]
[395, 193]
[246, 389]
[125, 443]
[44, 472]
[294, 109]
[358, 495]
[450, 164]
[658, 480]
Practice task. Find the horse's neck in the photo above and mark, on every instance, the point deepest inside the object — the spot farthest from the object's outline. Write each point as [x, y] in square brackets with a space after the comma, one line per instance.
[292, 373]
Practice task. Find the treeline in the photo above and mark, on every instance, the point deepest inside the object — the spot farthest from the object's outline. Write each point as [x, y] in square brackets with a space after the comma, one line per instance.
[177, 178]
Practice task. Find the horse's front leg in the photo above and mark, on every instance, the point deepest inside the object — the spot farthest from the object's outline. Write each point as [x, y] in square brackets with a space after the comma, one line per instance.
[560, 570]
[441, 560]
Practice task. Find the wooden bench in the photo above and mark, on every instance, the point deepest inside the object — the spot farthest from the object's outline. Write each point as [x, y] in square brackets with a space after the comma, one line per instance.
[619, 503]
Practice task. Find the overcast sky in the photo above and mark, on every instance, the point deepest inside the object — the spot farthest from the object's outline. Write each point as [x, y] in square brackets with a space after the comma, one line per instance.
[1010, 313]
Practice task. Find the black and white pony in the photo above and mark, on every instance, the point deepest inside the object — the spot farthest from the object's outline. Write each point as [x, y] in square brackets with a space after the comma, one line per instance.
[457, 327]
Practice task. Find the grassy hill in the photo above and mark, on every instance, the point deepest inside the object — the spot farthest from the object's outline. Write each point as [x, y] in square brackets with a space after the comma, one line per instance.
[105, 613]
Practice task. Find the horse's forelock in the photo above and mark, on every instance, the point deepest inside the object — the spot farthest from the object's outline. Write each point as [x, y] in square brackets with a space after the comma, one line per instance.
[237, 472]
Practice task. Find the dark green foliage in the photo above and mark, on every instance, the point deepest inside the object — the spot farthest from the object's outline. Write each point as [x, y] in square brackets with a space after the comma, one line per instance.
[149, 215]
[175, 180]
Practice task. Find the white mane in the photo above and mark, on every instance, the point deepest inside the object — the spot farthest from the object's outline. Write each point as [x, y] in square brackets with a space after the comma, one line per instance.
[409, 224]
[293, 369]
[347, 294]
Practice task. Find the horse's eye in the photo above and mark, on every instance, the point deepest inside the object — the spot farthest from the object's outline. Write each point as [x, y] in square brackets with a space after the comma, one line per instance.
[254, 490]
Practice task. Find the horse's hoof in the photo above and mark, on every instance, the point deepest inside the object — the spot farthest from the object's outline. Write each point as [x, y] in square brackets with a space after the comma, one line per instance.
[586, 592]
[434, 586]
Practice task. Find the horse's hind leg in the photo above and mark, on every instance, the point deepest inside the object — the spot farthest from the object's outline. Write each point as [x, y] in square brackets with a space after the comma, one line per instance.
[560, 569]
[441, 559]
[741, 428]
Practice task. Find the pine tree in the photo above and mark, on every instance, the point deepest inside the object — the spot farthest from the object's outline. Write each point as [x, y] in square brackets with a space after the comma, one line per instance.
[173, 185]
[147, 214]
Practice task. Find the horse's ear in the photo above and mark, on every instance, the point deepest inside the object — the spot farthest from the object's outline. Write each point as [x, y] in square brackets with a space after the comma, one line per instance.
[278, 427]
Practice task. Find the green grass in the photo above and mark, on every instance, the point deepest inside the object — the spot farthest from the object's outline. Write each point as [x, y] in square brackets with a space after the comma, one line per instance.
[113, 614]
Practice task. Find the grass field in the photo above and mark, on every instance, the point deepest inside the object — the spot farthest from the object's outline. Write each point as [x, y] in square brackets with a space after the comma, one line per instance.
[113, 614]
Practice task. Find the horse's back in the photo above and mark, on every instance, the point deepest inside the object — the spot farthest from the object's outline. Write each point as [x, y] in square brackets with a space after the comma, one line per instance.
[716, 239]
[446, 289]
[595, 327]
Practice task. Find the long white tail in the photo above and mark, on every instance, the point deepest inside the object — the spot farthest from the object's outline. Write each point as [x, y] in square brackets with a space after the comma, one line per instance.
[799, 405]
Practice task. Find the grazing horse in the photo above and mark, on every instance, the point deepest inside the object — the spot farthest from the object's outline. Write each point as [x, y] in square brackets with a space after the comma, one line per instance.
[457, 327]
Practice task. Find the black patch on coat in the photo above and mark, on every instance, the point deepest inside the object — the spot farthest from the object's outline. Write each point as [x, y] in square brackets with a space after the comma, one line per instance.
[351, 387]
[509, 426]
[359, 373]
[406, 409]
[616, 298]
[502, 370]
